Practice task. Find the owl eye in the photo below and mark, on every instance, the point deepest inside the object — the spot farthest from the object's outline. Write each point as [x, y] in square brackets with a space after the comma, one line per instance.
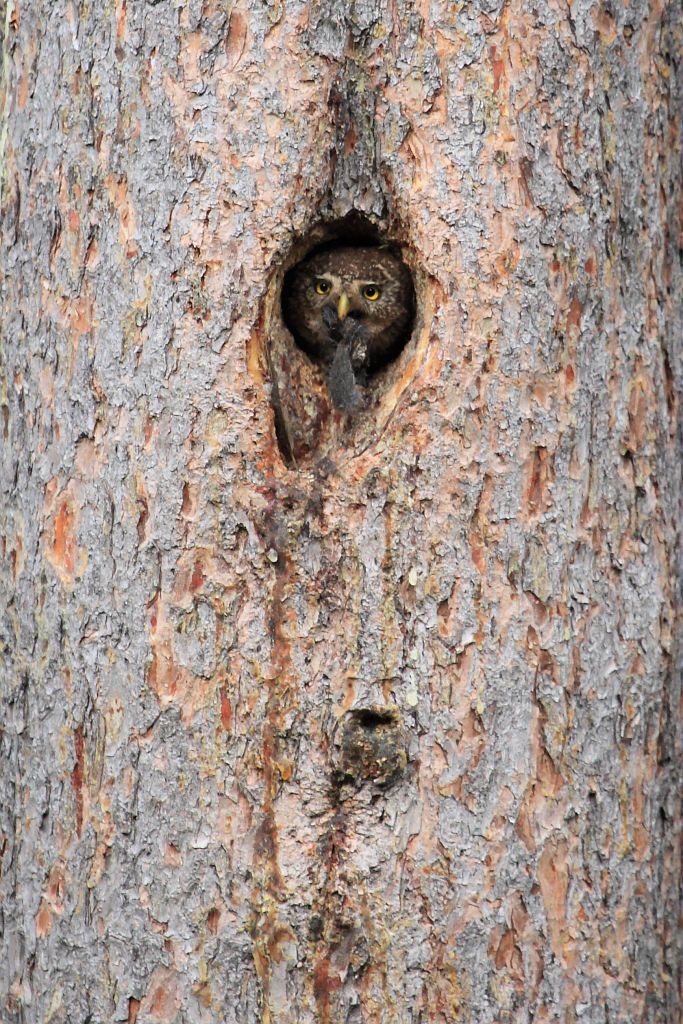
[371, 291]
[322, 286]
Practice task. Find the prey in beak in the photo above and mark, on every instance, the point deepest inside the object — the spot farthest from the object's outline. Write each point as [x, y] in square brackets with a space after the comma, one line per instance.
[348, 339]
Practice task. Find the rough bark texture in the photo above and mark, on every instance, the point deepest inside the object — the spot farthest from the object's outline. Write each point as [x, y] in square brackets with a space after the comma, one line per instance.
[368, 718]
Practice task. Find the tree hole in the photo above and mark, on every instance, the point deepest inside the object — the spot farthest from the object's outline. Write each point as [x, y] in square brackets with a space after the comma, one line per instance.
[339, 329]
[370, 746]
[372, 718]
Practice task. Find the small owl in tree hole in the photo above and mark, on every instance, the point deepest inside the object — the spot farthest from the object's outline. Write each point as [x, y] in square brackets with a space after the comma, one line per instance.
[351, 309]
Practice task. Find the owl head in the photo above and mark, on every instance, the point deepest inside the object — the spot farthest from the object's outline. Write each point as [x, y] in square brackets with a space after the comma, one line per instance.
[368, 284]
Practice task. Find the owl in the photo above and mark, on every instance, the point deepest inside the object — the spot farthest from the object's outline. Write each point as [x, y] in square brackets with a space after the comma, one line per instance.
[350, 308]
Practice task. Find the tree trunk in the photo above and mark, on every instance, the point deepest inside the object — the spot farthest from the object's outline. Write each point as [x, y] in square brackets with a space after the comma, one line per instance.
[324, 716]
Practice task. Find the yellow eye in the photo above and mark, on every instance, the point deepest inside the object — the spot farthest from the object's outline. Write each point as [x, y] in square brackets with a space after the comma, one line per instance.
[371, 291]
[322, 286]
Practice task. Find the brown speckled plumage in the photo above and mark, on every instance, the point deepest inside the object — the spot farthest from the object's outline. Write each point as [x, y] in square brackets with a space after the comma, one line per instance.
[383, 323]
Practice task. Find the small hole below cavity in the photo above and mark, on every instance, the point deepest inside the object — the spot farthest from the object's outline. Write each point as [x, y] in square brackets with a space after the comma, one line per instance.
[370, 719]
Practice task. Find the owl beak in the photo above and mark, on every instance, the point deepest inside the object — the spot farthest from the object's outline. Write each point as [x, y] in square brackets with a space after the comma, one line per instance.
[343, 306]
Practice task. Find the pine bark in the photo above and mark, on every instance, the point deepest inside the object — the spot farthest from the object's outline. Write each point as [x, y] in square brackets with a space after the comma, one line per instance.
[315, 717]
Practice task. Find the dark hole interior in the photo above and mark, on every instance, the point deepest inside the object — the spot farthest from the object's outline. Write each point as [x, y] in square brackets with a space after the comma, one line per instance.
[355, 229]
[371, 720]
